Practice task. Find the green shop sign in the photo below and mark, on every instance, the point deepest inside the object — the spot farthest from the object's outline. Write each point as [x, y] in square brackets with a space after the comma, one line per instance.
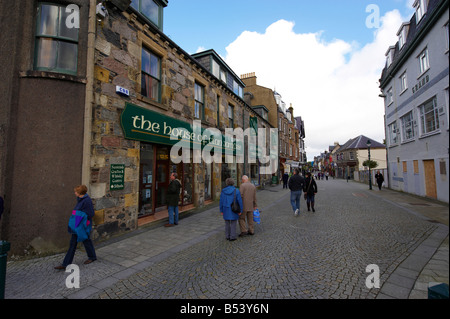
[144, 125]
[117, 177]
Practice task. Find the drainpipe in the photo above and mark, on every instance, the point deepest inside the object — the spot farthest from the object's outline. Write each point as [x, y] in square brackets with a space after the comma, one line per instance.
[89, 100]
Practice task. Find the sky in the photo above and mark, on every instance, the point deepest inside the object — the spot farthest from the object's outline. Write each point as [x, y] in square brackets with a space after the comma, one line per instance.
[324, 57]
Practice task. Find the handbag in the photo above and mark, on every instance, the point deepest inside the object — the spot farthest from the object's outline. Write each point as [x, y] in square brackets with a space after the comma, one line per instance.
[235, 205]
[306, 193]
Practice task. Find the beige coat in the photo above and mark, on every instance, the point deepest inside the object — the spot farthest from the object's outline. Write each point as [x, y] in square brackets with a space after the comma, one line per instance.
[248, 193]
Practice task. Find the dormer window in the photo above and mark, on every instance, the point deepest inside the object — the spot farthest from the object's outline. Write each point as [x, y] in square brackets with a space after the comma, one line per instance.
[151, 10]
[390, 56]
[421, 9]
[402, 34]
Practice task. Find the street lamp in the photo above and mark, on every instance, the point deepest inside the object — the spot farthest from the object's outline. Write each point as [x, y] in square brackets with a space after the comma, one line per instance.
[369, 143]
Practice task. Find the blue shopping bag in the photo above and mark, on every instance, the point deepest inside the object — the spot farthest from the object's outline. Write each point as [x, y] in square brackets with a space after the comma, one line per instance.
[257, 216]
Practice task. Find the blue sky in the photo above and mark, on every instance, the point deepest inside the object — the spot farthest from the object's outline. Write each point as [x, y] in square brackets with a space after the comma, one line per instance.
[213, 24]
[320, 55]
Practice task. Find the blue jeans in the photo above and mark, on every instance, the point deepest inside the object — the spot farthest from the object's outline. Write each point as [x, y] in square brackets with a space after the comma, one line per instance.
[73, 247]
[173, 214]
[295, 200]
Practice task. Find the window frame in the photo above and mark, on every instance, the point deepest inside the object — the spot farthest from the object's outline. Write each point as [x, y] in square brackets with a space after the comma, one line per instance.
[231, 118]
[393, 133]
[159, 23]
[199, 103]
[403, 82]
[407, 121]
[423, 117]
[145, 74]
[38, 35]
[423, 67]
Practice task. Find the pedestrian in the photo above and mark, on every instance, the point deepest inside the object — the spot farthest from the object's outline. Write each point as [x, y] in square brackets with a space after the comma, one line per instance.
[380, 179]
[173, 197]
[285, 180]
[296, 183]
[84, 204]
[248, 193]
[310, 189]
[226, 199]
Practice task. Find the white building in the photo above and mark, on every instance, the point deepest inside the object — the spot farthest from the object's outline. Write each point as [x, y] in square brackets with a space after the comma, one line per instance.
[415, 86]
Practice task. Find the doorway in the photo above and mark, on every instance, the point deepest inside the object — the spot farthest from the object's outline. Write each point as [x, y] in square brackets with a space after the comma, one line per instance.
[430, 179]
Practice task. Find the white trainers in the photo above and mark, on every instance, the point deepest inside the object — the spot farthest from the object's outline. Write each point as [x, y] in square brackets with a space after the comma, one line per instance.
[296, 212]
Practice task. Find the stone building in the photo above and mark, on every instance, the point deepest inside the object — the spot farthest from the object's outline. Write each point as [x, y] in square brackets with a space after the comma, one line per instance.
[115, 104]
[260, 97]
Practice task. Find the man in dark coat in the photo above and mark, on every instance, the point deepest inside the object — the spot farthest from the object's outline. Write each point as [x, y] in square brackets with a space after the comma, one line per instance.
[380, 179]
[173, 197]
[296, 183]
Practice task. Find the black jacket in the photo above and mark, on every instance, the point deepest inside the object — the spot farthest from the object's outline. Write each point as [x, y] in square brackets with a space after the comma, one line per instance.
[173, 193]
[296, 183]
[310, 189]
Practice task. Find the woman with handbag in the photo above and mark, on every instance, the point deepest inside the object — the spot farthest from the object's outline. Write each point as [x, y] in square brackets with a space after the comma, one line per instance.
[310, 190]
[231, 208]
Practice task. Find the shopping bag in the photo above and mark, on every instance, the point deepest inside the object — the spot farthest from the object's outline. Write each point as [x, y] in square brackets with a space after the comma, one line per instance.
[257, 216]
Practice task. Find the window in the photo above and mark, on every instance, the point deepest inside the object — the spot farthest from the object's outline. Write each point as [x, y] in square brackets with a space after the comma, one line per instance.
[393, 133]
[403, 82]
[421, 9]
[446, 32]
[151, 75]
[407, 123]
[429, 118]
[56, 43]
[150, 9]
[199, 101]
[389, 97]
[402, 38]
[215, 69]
[230, 116]
[237, 89]
[218, 110]
[223, 75]
[424, 63]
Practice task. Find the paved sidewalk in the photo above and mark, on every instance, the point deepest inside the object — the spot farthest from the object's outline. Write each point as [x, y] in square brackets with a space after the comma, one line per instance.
[429, 263]
[130, 254]
[121, 257]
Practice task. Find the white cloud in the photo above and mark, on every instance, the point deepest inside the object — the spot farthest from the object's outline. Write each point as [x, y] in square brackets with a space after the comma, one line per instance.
[333, 86]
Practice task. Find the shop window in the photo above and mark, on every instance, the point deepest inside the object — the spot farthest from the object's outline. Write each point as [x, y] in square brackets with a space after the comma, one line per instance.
[187, 184]
[254, 174]
[56, 44]
[208, 181]
[146, 180]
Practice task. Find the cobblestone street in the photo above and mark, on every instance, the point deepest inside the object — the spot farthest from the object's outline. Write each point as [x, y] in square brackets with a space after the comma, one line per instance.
[321, 255]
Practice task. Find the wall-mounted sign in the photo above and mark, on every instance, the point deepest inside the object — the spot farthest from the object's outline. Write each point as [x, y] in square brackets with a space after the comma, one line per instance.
[122, 90]
[144, 125]
[117, 177]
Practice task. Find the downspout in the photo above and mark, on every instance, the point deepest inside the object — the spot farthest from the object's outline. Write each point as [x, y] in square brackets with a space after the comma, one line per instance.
[89, 99]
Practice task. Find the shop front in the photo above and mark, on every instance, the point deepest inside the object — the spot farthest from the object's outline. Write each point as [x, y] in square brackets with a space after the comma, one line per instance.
[157, 135]
[155, 170]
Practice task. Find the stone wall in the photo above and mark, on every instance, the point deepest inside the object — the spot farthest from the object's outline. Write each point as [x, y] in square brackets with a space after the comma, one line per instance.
[120, 38]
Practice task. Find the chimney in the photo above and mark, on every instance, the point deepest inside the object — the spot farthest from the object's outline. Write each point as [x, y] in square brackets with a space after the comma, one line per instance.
[249, 79]
[291, 110]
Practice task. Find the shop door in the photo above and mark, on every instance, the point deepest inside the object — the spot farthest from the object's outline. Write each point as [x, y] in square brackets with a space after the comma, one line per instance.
[430, 179]
[162, 176]
[146, 181]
